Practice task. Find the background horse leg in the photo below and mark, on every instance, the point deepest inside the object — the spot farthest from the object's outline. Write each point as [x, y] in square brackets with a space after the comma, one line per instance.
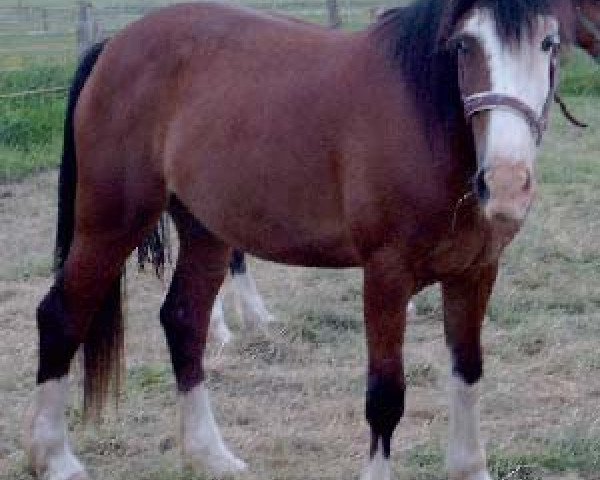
[387, 292]
[249, 304]
[218, 328]
[83, 294]
[465, 301]
[200, 270]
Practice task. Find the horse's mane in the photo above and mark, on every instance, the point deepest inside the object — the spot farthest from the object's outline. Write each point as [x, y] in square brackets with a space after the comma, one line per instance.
[413, 38]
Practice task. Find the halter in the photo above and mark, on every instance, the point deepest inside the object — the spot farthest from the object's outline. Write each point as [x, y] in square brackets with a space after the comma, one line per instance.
[485, 101]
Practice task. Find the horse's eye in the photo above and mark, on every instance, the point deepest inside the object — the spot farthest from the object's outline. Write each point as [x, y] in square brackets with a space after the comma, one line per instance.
[462, 46]
[550, 42]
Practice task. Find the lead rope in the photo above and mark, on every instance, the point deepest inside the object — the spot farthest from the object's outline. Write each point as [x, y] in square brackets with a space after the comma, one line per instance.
[563, 106]
[568, 115]
[459, 203]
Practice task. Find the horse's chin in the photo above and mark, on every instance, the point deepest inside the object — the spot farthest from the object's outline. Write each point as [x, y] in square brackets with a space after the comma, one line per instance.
[504, 223]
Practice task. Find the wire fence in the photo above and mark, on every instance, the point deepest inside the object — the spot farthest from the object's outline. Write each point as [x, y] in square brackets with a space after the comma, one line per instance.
[51, 32]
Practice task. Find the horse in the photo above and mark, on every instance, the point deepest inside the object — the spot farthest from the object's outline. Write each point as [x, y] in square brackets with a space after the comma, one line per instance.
[407, 149]
[588, 27]
[249, 304]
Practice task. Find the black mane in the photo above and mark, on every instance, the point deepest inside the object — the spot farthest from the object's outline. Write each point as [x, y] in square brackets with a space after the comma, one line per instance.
[413, 37]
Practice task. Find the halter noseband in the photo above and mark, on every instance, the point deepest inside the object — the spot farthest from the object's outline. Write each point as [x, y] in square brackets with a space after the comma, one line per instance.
[485, 101]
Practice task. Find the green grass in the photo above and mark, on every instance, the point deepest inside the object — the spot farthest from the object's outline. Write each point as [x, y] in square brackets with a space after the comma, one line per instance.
[556, 456]
[580, 75]
[150, 378]
[31, 127]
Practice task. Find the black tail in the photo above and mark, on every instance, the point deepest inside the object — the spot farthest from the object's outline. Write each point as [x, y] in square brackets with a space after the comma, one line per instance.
[104, 344]
[156, 247]
[156, 250]
[68, 168]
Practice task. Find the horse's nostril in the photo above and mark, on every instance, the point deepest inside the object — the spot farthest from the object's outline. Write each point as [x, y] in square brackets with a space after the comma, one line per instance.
[481, 189]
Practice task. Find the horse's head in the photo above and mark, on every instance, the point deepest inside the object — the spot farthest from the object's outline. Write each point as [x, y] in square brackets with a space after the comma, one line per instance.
[587, 33]
[507, 59]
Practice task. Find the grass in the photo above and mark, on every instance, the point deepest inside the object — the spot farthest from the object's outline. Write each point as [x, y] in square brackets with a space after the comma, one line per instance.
[551, 456]
[580, 75]
[31, 127]
[39, 266]
[150, 379]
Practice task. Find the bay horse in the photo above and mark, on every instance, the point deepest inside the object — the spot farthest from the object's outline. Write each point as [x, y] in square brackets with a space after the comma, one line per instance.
[407, 149]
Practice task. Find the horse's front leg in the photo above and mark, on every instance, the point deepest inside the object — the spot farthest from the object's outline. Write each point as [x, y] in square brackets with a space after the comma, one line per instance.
[387, 293]
[465, 301]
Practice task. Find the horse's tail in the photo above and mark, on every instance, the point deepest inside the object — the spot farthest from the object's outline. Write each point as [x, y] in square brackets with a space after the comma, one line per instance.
[68, 167]
[156, 247]
[103, 346]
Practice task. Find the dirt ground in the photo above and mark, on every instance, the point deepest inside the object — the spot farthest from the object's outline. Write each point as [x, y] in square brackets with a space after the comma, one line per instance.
[291, 402]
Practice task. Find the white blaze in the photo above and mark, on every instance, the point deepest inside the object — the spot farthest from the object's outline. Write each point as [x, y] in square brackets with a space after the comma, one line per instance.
[519, 70]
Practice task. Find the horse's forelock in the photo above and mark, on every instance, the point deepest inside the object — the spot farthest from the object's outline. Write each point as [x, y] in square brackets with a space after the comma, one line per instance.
[514, 19]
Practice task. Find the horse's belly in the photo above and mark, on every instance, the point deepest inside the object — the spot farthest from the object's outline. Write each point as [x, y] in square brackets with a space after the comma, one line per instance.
[303, 250]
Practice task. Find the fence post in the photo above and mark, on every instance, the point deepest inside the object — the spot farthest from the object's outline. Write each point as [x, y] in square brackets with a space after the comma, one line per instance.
[45, 26]
[85, 27]
[333, 14]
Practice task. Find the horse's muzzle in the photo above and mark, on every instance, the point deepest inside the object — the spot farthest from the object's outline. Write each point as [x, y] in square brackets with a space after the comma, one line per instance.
[505, 191]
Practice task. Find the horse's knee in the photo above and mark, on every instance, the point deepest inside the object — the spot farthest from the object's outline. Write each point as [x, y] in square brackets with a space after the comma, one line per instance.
[59, 337]
[384, 409]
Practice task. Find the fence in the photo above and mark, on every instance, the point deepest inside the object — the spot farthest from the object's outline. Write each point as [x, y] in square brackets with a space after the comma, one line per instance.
[55, 34]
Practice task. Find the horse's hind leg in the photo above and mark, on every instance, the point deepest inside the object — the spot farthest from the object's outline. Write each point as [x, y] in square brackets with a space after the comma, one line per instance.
[185, 316]
[85, 294]
[219, 330]
[249, 304]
